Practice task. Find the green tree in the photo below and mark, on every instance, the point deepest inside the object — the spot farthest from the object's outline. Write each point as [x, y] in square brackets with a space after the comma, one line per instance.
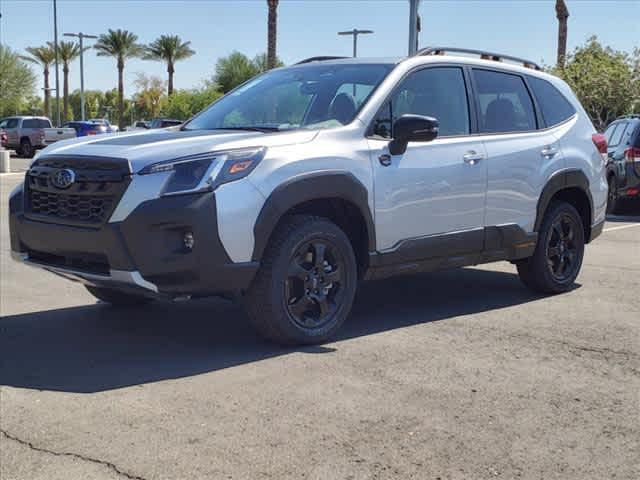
[169, 49]
[149, 97]
[17, 82]
[237, 68]
[94, 101]
[603, 80]
[184, 104]
[122, 45]
[67, 53]
[44, 56]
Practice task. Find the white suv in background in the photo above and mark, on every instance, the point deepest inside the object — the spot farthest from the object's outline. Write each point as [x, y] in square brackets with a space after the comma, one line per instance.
[305, 180]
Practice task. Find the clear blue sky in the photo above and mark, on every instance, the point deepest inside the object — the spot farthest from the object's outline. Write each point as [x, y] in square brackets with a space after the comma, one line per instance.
[308, 27]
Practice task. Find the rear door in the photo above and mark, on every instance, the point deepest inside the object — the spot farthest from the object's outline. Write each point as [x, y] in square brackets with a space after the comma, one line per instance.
[435, 188]
[13, 135]
[521, 155]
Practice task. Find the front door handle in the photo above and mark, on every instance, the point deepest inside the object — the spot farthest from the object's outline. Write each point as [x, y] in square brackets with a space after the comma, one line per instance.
[549, 151]
[472, 157]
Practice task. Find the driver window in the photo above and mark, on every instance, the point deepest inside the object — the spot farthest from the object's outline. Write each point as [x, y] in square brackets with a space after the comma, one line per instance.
[437, 92]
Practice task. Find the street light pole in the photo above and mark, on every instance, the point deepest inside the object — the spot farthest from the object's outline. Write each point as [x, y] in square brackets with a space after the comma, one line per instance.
[55, 46]
[413, 26]
[80, 37]
[355, 32]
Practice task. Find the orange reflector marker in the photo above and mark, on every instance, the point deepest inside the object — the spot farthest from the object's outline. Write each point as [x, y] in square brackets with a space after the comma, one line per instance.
[240, 166]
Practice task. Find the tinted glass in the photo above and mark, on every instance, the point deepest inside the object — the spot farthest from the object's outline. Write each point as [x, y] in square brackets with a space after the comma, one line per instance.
[505, 103]
[30, 123]
[609, 132]
[12, 123]
[617, 135]
[42, 123]
[432, 92]
[555, 107]
[308, 96]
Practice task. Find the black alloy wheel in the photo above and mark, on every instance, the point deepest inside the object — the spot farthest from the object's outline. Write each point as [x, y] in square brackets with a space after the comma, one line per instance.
[562, 250]
[314, 283]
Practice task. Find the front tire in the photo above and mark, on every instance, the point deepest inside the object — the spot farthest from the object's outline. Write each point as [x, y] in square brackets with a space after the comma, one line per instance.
[557, 259]
[117, 298]
[305, 287]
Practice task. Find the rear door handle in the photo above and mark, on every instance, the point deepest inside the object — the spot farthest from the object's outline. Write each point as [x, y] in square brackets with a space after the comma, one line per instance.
[472, 157]
[549, 151]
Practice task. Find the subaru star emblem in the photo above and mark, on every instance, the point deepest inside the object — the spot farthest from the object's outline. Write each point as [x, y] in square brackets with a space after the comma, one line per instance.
[63, 178]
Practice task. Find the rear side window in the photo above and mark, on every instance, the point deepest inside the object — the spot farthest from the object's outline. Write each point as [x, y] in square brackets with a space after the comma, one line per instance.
[438, 92]
[504, 102]
[30, 123]
[555, 107]
[617, 135]
[610, 131]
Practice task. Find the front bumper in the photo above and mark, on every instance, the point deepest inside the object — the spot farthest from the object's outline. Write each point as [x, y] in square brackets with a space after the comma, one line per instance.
[145, 252]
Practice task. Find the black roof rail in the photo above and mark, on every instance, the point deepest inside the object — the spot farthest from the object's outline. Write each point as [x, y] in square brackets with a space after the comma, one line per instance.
[498, 57]
[319, 59]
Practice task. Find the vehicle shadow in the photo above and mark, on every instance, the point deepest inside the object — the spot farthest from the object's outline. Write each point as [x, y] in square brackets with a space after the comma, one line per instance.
[632, 217]
[96, 348]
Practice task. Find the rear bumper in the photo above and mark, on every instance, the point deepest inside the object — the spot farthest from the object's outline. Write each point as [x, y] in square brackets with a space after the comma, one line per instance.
[145, 252]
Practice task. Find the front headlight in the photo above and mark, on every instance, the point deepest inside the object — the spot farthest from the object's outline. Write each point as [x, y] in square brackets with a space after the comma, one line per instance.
[206, 171]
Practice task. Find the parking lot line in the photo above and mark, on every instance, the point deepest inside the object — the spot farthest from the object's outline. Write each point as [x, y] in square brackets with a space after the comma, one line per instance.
[621, 227]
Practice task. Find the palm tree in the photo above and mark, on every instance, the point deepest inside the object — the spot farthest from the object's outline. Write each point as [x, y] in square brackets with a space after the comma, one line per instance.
[170, 49]
[67, 53]
[562, 14]
[272, 24]
[122, 45]
[43, 56]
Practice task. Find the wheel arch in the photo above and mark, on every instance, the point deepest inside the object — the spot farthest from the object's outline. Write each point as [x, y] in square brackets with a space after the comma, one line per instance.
[336, 195]
[571, 186]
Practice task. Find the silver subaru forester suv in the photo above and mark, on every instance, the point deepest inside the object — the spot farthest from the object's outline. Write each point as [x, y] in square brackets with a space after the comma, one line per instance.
[294, 187]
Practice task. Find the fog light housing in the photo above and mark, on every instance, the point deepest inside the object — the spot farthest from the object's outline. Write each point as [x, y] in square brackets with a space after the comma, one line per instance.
[188, 240]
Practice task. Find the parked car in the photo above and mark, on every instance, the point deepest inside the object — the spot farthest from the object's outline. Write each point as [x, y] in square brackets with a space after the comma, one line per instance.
[307, 179]
[623, 167]
[105, 123]
[139, 125]
[25, 135]
[164, 123]
[87, 128]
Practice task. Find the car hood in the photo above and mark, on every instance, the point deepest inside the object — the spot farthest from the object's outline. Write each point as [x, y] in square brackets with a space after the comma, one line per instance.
[144, 148]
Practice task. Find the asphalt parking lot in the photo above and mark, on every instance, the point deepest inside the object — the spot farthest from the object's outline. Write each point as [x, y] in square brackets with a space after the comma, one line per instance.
[454, 375]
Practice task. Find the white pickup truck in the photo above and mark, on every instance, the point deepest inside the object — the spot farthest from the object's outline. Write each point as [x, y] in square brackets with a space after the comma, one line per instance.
[25, 135]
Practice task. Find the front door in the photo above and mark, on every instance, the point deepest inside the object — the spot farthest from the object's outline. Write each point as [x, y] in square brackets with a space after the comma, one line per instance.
[435, 189]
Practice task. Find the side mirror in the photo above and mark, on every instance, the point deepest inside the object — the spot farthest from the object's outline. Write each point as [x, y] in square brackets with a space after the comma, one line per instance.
[412, 128]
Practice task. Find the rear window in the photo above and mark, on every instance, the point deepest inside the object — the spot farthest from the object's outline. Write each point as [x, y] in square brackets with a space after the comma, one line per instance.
[504, 101]
[555, 107]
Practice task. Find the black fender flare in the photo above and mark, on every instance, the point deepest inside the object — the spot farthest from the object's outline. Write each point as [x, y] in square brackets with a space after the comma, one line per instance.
[314, 186]
[572, 178]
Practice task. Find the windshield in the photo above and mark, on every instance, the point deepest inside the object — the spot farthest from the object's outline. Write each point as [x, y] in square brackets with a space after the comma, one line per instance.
[309, 96]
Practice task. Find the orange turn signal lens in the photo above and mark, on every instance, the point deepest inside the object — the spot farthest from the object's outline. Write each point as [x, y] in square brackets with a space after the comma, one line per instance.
[240, 166]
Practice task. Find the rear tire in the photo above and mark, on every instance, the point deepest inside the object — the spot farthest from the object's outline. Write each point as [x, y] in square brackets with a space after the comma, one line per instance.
[613, 200]
[117, 298]
[305, 287]
[557, 259]
[26, 149]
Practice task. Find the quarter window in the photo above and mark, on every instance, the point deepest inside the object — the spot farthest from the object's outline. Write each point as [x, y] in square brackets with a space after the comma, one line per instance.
[555, 107]
[437, 92]
[504, 102]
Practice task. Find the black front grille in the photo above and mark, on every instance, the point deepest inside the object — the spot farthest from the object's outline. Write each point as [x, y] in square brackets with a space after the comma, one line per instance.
[88, 201]
[77, 208]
